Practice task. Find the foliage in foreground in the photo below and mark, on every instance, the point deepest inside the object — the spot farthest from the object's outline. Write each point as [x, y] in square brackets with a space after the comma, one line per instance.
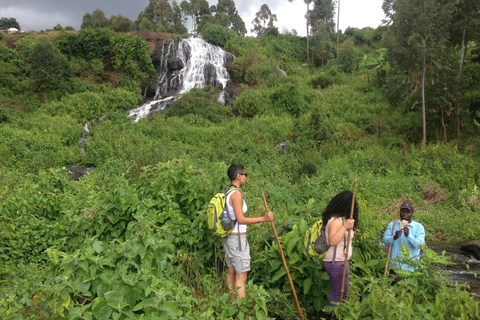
[137, 246]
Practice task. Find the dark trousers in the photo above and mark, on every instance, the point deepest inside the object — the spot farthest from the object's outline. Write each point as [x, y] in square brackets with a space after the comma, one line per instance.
[335, 272]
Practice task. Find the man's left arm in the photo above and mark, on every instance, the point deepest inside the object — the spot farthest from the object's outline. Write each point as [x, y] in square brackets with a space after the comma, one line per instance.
[416, 235]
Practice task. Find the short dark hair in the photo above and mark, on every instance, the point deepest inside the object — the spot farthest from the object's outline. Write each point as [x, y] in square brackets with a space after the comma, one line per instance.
[341, 206]
[233, 170]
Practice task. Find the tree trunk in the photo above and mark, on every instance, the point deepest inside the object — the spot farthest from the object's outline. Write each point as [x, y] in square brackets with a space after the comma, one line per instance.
[459, 74]
[338, 24]
[444, 128]
[308, 36]
[423, 98]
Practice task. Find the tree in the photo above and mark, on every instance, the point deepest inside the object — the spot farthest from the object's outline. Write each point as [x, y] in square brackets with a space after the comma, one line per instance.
[338, 24]
[98, 19]
[418, 38]
[178, 19]
[58, 27]
[388, 10]
[238, 25]
[196, 9]
[224, 20]
[7, 23]
[87, 21]
[320, 44]
[263, 19]
[146, 24]
[465, 27]
[347, 56]
[160, 15]
[322, 13]
[120, 23]
[307, 2]
[48, 66]
[380, 64]
[147, 14]
[228, 8]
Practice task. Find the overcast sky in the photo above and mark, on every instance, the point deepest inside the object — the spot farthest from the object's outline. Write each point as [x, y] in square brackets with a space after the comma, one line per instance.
[45, 14]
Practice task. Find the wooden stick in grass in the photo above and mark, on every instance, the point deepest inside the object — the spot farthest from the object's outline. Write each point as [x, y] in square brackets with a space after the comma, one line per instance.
[348, 242]
[283, 260]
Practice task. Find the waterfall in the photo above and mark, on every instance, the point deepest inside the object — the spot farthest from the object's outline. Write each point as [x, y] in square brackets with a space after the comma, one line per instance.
[193, 63]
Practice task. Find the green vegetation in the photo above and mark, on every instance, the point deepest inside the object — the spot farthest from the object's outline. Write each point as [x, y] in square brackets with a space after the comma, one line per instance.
[130, 239]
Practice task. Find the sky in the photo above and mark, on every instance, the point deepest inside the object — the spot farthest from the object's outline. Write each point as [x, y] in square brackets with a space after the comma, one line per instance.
[36, 15]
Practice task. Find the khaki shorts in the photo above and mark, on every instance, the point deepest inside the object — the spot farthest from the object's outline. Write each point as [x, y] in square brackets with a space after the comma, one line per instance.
[239, 259]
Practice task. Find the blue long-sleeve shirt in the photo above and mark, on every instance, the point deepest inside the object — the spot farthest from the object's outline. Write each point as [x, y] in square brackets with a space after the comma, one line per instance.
[415, 238]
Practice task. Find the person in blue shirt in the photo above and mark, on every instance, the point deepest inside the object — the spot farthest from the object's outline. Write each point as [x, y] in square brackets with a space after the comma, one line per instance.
[412, 234]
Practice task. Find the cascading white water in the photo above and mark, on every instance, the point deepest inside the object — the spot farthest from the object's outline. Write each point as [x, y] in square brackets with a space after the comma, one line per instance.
[195, 64]
[204, 64]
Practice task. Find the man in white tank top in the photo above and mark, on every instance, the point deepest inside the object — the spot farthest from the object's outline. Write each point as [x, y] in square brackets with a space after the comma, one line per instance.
[237, 249]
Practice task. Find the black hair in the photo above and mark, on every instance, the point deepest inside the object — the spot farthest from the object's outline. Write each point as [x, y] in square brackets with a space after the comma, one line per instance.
[341, 206]
[233, 170]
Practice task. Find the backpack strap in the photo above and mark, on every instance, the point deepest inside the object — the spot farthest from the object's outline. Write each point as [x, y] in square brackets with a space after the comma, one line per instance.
[232, 188]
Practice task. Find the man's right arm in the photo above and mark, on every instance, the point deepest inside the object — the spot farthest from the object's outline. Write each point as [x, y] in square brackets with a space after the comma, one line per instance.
[387, 235]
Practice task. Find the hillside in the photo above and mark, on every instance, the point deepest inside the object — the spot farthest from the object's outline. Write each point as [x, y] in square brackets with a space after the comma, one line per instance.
[129, 240]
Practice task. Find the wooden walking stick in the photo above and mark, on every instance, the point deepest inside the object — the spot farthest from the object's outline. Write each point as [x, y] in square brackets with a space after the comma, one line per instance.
[393, 232]
[348, 242]
[283, 259]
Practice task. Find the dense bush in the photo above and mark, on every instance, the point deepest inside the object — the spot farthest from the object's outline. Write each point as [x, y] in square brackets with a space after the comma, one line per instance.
[131, 56]
[87, 106]
[289, 98]
[251, 103]
[37, 142]
[201, 107]
[217, 34]
[49, 68]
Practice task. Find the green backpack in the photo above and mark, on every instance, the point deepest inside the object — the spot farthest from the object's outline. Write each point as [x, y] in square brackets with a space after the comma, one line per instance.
[219, 222]
[316, 241]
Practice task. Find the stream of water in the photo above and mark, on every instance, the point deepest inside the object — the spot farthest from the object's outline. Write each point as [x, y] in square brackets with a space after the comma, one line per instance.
[469, 273]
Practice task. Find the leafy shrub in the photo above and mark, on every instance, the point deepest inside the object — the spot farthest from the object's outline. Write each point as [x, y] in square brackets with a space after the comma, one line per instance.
[39, 142]
[286, 50]
[288, 98]
[310, 128]
[93, 69]
[120, 99]
[450, 169]
[202, 107]
[48, 66]
[260, 74]
[131, 55]
[84, 106]
[252, 102]
[347, 56]
[217, 34]
[360, 36]
[94, 43]
[321, 81]
[25, 46]
[69, 43]
[423, 292]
